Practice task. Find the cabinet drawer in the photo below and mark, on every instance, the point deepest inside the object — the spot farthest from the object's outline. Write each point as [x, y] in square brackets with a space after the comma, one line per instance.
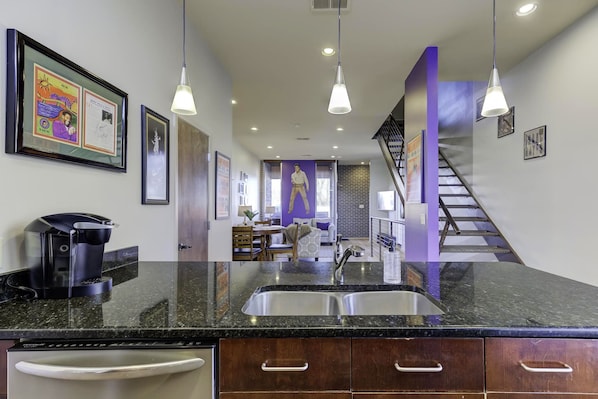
[427, 395]
[541, 396]
[285, 364]
[286, 395]
[422, 364]
[541, 365]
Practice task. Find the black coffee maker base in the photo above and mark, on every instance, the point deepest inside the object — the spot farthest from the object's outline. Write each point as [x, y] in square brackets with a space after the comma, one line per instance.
[85, 288]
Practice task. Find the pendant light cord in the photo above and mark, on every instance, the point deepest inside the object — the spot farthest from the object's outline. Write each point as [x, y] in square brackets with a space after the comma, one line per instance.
[184, 36]
[493, 34]
[339, 32]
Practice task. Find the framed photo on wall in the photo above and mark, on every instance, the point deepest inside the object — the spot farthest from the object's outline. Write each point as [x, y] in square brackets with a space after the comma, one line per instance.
[506, 123]
[57, 110]
[222, 188]
[534, 143]
[155, 158]
[479, 103]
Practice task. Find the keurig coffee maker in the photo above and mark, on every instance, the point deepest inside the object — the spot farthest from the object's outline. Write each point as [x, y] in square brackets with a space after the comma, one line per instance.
[64, 254]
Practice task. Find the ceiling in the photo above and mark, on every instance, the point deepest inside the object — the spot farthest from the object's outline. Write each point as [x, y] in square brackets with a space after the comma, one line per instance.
[282, 83]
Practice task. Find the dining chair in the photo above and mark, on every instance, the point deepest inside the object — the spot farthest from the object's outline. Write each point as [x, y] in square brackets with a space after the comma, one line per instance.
[243, 248]
[288, 247]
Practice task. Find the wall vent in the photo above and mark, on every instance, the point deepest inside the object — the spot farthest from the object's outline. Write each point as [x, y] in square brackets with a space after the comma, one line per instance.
[329, 5]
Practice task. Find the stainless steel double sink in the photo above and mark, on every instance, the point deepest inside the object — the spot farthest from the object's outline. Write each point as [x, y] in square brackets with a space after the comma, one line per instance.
[318, 300]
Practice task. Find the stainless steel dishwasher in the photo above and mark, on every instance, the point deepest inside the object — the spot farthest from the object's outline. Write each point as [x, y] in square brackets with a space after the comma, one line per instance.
[112, 370]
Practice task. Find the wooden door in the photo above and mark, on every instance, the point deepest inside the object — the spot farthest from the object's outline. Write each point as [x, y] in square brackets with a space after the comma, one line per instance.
[192, 198]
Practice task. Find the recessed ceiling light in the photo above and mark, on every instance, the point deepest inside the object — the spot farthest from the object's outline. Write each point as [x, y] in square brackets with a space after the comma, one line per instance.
[363, 163]
[328, 51]
[278, 156]
[333, 156]
[233, 101]
[269, 147]
[339, 129]
[526, 9]
[335, 146]
[254, 129]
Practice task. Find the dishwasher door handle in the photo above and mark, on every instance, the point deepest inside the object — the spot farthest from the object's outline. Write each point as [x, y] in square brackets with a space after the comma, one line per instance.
[109, 373]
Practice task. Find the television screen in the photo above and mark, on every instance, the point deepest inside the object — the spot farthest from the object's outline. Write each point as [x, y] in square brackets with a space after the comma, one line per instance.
[386, 200]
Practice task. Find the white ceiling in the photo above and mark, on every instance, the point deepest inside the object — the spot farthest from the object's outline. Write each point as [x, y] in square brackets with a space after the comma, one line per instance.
[282, 83]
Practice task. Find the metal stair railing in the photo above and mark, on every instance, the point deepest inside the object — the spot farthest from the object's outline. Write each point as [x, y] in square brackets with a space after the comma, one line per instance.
[494, 232]
[390, 135]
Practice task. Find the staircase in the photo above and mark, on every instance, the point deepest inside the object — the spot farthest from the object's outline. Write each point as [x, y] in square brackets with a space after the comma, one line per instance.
[467, 232]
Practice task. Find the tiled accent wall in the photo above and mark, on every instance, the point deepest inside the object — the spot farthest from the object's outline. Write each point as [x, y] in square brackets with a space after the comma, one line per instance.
[353, 191]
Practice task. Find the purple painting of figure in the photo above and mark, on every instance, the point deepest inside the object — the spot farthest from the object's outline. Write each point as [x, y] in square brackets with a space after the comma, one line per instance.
[298, 190]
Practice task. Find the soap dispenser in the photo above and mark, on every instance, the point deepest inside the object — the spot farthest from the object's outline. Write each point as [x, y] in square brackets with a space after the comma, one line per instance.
[392, 266]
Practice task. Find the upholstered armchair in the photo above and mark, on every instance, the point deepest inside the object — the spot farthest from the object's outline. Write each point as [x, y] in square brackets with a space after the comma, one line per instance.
[309, 246]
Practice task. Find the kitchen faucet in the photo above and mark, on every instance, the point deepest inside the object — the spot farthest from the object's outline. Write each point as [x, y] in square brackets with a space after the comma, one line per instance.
[354, 250]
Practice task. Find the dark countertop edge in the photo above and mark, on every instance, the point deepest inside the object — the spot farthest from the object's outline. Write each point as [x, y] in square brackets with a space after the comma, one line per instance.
[264, 332]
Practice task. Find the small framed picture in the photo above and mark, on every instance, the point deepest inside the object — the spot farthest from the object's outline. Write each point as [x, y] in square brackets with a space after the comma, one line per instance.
[155, 158]
[506, 123]
[222, 189]
[479, 103]
[534, 143]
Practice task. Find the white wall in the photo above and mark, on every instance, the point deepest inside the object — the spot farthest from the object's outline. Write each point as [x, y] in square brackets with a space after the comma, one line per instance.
[249, 164]
[546, 206]
[135, 45]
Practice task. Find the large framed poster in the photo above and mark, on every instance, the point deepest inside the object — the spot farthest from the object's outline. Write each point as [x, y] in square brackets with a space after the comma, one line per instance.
[55, 109]
[415, 168]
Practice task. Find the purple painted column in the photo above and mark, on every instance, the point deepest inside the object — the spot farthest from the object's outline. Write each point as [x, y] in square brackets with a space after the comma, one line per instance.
[421, 115]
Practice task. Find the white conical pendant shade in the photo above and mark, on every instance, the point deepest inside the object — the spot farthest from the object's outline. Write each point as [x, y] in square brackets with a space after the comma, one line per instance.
[339, 98]
[495, 103]
[183, 103]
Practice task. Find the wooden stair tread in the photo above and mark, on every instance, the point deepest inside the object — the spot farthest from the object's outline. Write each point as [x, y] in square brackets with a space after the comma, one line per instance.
[473, 233]
[474, 248]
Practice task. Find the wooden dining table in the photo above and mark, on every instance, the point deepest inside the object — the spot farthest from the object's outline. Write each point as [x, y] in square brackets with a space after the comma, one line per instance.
[265, 232]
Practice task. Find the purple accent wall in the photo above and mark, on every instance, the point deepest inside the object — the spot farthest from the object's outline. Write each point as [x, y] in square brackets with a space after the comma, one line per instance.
[286, 186]
[421, 115]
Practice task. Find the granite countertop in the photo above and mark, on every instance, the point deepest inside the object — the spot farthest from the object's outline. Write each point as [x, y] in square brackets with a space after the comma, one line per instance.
[160, 300]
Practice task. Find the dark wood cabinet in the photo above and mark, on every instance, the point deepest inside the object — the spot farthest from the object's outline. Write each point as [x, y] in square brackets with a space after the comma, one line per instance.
[408, 368]
[519, 366]
[4, 345]
[421, 364]
[285, 364]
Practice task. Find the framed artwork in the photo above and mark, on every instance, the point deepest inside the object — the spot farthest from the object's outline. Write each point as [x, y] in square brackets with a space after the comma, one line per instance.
[57, 110]
[479, 103]
[506, 123]
[155, 158]
[415, 168]
[534, 143]
[222, 189]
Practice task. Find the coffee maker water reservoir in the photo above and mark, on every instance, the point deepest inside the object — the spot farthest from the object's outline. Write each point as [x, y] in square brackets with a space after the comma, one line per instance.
[65, 252]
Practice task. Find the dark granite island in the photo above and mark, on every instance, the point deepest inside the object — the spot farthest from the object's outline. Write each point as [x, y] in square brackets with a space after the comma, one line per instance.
[161, 300]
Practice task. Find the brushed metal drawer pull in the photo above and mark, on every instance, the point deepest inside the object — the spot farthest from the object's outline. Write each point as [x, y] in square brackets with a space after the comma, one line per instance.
[402, 369]
[265, 367]
[565, 369]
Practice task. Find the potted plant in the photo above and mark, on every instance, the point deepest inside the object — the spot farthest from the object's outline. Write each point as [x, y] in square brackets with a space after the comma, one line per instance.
[250, 215]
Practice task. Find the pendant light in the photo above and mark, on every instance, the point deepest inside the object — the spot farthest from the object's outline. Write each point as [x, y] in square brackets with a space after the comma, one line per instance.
[183, 103]
[495, 103]
[339, 98]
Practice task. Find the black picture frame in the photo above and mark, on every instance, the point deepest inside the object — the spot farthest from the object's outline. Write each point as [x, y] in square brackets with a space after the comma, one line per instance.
[155, 158]
[506, 123]
[57, 110]
[479, 103]
[222, 188]
[534, 143]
